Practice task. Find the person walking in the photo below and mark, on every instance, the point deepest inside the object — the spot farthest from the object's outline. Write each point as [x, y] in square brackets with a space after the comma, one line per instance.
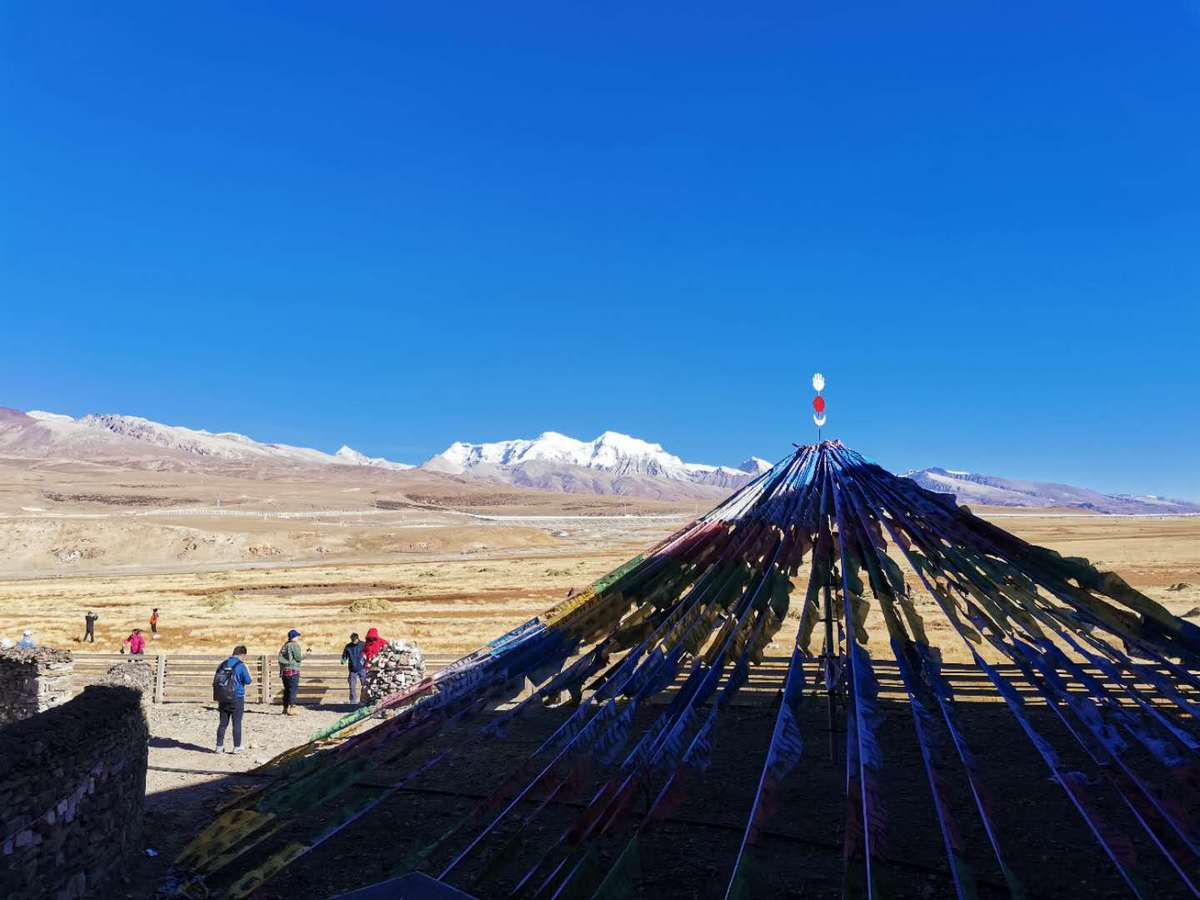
[229, 690]
[136, 643]
[352, 655]
[89, 627]
[291, 655]
[154, 624]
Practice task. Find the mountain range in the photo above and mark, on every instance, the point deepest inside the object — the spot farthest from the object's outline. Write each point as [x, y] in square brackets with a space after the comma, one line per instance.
[989, 490]
[612, 463]
[142, 443]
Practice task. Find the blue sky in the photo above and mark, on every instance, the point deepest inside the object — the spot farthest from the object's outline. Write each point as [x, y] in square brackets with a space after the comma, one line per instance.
[399, 226]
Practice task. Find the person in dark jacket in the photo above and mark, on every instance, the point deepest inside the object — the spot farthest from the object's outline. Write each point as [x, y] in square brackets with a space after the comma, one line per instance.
[291, 655]
[89, 627]
[352, 655]
[232, 710]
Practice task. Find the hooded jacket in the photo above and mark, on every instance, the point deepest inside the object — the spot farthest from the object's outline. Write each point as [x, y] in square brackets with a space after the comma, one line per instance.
[373, 644]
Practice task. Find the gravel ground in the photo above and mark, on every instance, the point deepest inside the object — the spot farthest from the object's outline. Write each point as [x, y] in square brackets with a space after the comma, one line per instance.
[187, 780]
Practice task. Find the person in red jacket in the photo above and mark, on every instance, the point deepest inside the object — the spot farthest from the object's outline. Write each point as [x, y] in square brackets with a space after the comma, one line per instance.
[373, 644]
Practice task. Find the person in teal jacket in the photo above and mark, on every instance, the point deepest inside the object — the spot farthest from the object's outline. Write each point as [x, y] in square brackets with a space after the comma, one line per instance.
[291, 656]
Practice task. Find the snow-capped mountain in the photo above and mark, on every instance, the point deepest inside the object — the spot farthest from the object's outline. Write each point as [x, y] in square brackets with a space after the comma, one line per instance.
[755, 465]
[348, 456]
[116, 438]
[615, 463]
[971, 488]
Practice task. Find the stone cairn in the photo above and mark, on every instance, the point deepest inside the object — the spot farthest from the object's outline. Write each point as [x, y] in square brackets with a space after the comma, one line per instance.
[397, 667]
[133, 673]
[33, 681]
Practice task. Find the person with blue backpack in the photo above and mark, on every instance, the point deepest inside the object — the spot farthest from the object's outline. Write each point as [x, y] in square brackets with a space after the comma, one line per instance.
[229, 690]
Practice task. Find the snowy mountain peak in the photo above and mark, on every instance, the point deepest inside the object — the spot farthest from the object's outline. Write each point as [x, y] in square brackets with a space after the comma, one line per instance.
[612, 452]
[755, 465]
[351, 457]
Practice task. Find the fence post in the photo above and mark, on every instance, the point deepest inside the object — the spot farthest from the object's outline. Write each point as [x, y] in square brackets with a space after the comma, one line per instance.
[160, 677]
[265, 681]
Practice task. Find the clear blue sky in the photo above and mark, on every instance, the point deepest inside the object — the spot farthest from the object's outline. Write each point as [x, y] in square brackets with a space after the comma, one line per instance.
[398, 225]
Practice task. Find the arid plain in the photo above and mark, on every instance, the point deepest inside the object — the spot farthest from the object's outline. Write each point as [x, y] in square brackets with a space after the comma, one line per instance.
[447, 564]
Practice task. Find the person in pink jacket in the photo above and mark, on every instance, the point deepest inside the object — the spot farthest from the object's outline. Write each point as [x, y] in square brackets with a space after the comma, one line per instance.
[135, 642]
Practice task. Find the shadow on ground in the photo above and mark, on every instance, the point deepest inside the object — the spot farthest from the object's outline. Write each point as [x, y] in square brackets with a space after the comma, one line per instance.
[691, 854]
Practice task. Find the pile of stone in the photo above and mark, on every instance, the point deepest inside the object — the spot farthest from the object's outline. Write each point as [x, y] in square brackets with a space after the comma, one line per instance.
[135, 674]
[397, 667]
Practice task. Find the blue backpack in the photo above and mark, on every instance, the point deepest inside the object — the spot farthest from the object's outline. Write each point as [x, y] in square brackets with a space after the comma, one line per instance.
[225, 681]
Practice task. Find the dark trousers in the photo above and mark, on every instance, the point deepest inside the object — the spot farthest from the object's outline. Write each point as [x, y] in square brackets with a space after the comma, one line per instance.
[291, 690]
[90, 635]
[231, 711]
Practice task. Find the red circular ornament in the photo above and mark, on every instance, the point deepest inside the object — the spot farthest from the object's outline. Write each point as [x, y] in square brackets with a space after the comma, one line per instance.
[819, 404]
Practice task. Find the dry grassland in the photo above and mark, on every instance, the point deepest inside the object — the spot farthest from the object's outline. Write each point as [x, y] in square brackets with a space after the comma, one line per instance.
[453, 604]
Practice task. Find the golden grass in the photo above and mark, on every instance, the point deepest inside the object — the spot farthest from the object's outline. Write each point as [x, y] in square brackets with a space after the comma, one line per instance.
[455, 606]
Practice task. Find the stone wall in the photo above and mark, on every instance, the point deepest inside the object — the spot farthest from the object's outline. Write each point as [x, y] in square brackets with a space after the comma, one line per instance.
[72, 789]
[32, 681]
[135, 674]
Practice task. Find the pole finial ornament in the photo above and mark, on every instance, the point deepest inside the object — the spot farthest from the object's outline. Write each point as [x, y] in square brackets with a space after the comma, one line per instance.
[818, 383]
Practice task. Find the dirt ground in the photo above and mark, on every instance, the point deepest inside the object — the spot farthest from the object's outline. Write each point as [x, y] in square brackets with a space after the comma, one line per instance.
[187, 781]
[71, 518]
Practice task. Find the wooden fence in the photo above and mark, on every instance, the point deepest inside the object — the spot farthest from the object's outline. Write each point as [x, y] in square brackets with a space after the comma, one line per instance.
[180, 678]
[188, 678]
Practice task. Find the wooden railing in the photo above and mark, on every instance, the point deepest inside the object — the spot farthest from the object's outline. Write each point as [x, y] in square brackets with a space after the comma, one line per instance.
[180, 678]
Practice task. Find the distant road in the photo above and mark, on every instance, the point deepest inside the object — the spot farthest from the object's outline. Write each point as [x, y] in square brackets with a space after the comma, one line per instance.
[622, 519]
[202, 512]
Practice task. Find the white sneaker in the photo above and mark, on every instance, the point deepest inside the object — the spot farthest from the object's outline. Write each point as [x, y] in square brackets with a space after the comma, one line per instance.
[236, 750]
[219, 749]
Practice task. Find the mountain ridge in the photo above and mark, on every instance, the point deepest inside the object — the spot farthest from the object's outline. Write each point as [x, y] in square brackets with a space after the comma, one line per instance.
[610, 463]
[114, 437]
[972, 488]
